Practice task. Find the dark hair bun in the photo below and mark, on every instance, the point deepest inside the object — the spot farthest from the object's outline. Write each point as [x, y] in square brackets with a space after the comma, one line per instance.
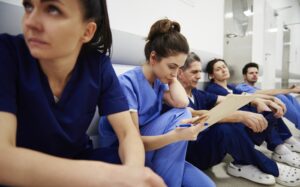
[161, 27]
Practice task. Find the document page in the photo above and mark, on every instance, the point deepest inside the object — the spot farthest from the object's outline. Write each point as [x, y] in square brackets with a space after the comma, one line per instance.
[231, 104]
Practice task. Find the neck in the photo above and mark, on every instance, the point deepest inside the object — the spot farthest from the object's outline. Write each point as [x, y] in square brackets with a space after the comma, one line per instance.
[222, 83]
[148, 73]
[58, 72]
[249, 83]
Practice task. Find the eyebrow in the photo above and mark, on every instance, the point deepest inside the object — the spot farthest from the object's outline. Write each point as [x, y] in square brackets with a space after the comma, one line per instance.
[174, 64]
[57, 1]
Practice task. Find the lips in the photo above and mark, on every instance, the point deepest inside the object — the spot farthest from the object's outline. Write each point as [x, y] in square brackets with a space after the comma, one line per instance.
[36, 42]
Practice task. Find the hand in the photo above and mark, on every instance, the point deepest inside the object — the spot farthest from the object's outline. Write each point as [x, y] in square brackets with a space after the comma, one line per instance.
[261, 106]
[202, 114]
[295, 89]
[188, 133]
[276, 109]
[280, 103]
[144, 177]
[254, 121]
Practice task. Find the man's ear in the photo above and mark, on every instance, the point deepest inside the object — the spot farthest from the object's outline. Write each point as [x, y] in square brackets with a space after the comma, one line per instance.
[180, 72]
[90, 30]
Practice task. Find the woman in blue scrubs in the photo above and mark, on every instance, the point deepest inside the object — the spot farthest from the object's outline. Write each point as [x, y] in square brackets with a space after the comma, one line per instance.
[146, 88]
[278, 132]
[51, 80]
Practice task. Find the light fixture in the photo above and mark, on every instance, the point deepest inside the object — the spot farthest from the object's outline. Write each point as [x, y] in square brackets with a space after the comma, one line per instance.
[248, 13]
[274, 29]
[229, 15]
[231, 35]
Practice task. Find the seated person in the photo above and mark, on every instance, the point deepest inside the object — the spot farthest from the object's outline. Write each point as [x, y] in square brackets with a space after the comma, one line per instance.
[146, 88]
[228, 136]
[250, 74]
[52, 78]
[279, 134]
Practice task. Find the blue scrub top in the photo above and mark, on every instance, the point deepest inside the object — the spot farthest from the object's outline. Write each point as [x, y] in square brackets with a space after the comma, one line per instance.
[246, 88]
[219, 90]
[44, 125]
[203, 100]
[141, 96]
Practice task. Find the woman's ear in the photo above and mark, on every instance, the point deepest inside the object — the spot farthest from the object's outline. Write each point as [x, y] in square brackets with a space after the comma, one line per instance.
[90, 30]
[152, 58]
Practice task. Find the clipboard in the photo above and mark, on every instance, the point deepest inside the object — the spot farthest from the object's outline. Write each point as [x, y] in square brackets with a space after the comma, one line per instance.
[231, 104]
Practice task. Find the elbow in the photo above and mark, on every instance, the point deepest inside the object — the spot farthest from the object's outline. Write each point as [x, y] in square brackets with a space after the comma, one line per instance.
[181, 104]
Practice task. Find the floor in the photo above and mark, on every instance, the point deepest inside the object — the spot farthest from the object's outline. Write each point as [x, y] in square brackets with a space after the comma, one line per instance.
[222, 179]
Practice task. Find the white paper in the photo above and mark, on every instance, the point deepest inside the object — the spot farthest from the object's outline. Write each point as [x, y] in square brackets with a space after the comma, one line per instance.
[231, 104]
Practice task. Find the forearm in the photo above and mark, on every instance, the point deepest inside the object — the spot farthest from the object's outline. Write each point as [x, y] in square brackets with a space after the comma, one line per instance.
[233, 118]
[131, 150]
[178, 94]
[156, 142]
[24, 167]
[274, 91]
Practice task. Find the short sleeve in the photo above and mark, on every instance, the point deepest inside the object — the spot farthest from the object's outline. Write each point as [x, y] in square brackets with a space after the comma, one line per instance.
[129, 92]
[246, 88]
[210, 100]
[8, 75]
[207, 99]
[111, 99]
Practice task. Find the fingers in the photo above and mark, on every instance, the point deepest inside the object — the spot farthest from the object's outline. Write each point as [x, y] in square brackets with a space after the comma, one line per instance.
[257, 123]
[278, 112]
[199, 128]
[190, 120]
[154, 180]
[201, 119]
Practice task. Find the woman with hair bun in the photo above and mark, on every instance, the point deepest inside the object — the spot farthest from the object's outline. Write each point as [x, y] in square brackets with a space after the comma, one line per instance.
[146, 88]
[52, 78]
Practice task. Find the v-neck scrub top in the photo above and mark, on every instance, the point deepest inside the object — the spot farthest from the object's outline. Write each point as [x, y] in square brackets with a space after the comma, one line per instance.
[57, 128]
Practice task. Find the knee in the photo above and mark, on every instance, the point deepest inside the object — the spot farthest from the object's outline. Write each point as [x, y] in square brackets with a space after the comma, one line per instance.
[182, 113]
[224, 130]
[207, 182]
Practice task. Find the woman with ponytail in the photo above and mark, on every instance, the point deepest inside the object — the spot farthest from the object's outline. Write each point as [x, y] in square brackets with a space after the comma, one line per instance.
[146, 88]
[52, 78]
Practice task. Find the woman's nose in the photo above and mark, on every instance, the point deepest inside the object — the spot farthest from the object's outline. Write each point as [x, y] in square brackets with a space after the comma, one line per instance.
[33, 20]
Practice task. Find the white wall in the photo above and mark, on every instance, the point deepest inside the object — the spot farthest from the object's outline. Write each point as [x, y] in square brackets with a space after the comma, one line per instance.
[201, 21]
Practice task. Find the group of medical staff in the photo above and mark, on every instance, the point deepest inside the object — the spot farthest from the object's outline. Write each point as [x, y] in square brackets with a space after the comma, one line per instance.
[152, 128]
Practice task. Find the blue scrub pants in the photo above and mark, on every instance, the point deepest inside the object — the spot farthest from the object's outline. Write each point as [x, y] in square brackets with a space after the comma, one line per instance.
[214, 143]
[274, 135]
[293, 108]
[169, 161]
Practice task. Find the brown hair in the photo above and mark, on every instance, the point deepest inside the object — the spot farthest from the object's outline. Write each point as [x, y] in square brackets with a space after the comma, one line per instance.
[165, 39]
[97, 10]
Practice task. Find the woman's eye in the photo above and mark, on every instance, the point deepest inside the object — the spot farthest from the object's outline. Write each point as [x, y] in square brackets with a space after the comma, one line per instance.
[27, 7]
[53, 10]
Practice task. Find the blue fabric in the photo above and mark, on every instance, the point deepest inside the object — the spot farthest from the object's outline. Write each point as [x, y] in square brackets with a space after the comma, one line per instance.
[193, 177]
[43, 125]
[246, 88]
[277, 130]
[169, 161]
[292, 105]
[203, 100]
[213, 144]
